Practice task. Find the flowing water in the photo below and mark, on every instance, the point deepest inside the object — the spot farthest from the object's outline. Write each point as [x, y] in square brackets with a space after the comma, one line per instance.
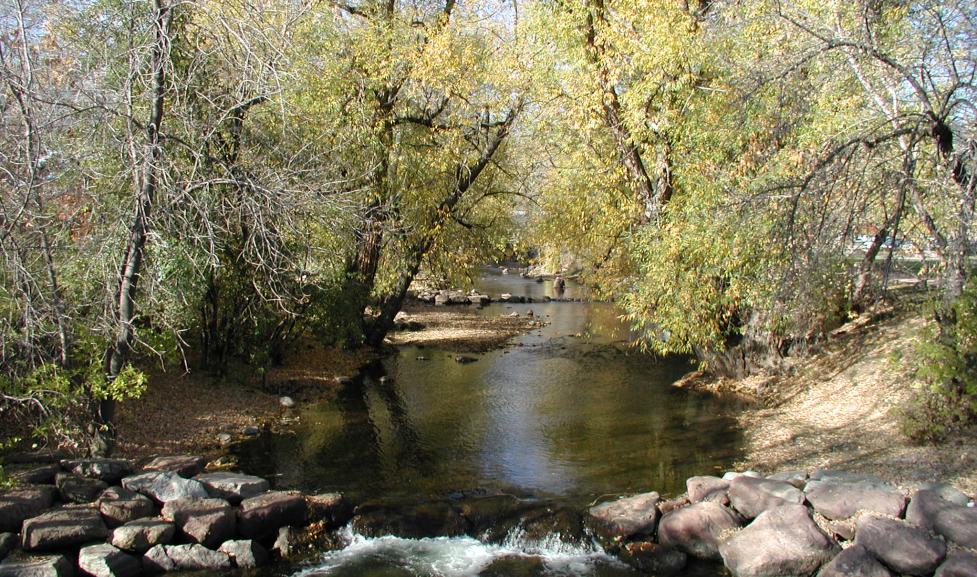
[563, 417]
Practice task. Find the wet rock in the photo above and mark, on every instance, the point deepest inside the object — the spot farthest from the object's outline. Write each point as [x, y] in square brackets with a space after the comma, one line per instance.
[37, 566]
[262, 515]
[781, 541]
[697, 529]
[842, 500]
[63, 528]
[287, 543]
[119, 506]
[107, 470]
[653, 558]
[464, 360]
[795, 478]
[246, 554]
[902, 547]
[104, 560]
[234, 487]
[75, 489]
[182, 465]
[854, 561]
[142, 535]
[42, 475]
[515, 566]
[946, 492]
[195, 557]
[700, 488]
[958, 525]
[165, 486]
[8, 542]
[209, 522]
[751, 496]
[624, 518]
[412, 522]
[958, 564]
[21, 504]
[331, 509]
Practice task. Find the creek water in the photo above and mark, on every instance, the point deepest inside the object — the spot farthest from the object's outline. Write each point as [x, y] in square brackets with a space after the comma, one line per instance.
[563, 417]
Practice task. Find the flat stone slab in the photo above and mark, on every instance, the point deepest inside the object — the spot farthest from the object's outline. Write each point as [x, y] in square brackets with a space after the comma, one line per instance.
[76, 489]
[700, 488]
[63, 528]
[104, 560]
[781, 541]
[164, 486]
[246, 554]
[107, 470]
[182, 465]
[195, 557]
[855, 561]
[751, 496]
[37, 566]
[17, 506]
[697, 529]
[261, 516]
[842, 500]
[617, 520]
[209, 522]
[958, 564]
[234, 487]
[142, 535]
[119, 506]
[900, 546]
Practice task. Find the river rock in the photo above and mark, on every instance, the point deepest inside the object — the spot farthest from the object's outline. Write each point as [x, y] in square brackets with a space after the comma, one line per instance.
[624, 518]
[104, 560]
[958, 525]
[673, 504]
[650, 557]
[234, 487]
[924, 507]
[730, 475]
[21, 504]
[37, 566]
[287, 543]
[904, 548]
[164, 486]
[107, 470]
[119, 506]
[854, 561]
[209, 522]
[698, 528]
[419, 521]
[75, 489]
[846, 477]
[41, 475]
[781, 541]
[194, 557]
[958, 564]
[142, 535]
[331, 509]
[465, 359]
[699, 488]
[842, 500]
[946, 492]
[843, 529]
[261, 516]
[63, 528]
[8, 542]
[183, 465]
[751, 496]
[246, 554]
[795, 478]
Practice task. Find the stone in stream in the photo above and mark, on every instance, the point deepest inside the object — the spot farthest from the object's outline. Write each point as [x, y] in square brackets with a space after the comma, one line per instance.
[183, 465]
[261, 516]
[624, 518]
[464, 359]
[104, 560]
[37, 566]
[842, 500]
[904, 548]
[119, 506]
[287, 543]
[702, 487]
[246, 554]
[164, 486]
[107, 470]
[235, 487]
[21, 504]
[75, 489]
[142, 535]
[209, 522]
[63, 528]
[436, 519]
[958, 564]
[854, 561]
[195, 557]
[8, 542]
[330, 509]
[751, 496]
[650, 557]
[781, 541]
[697, 529]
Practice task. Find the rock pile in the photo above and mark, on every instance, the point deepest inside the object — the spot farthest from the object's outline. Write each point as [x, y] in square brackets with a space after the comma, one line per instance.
[99, 517]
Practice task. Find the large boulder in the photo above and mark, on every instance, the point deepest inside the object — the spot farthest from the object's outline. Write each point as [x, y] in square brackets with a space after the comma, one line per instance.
[194, 557]
[16, 506]
[795, 478]
[703, 487]
[76, 489]
[8, 542]
[855, 561]
[209, 522]
[946, 492]
[781, 542]
[182, 465]
[842, 500]
[119, 506]
[958, 564]
[63, 528]
[904, 548]
[649, 557]
[751, 496]
[330, 509]
[142, 535]
[104, 560]
[959, 525]
[164, 486]
[37, 566]
[924, 507]
[107, 470]
[245, 554]
[435, 519]
[261, 516]
[234, 487]
[624, 518]
[698, 528]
